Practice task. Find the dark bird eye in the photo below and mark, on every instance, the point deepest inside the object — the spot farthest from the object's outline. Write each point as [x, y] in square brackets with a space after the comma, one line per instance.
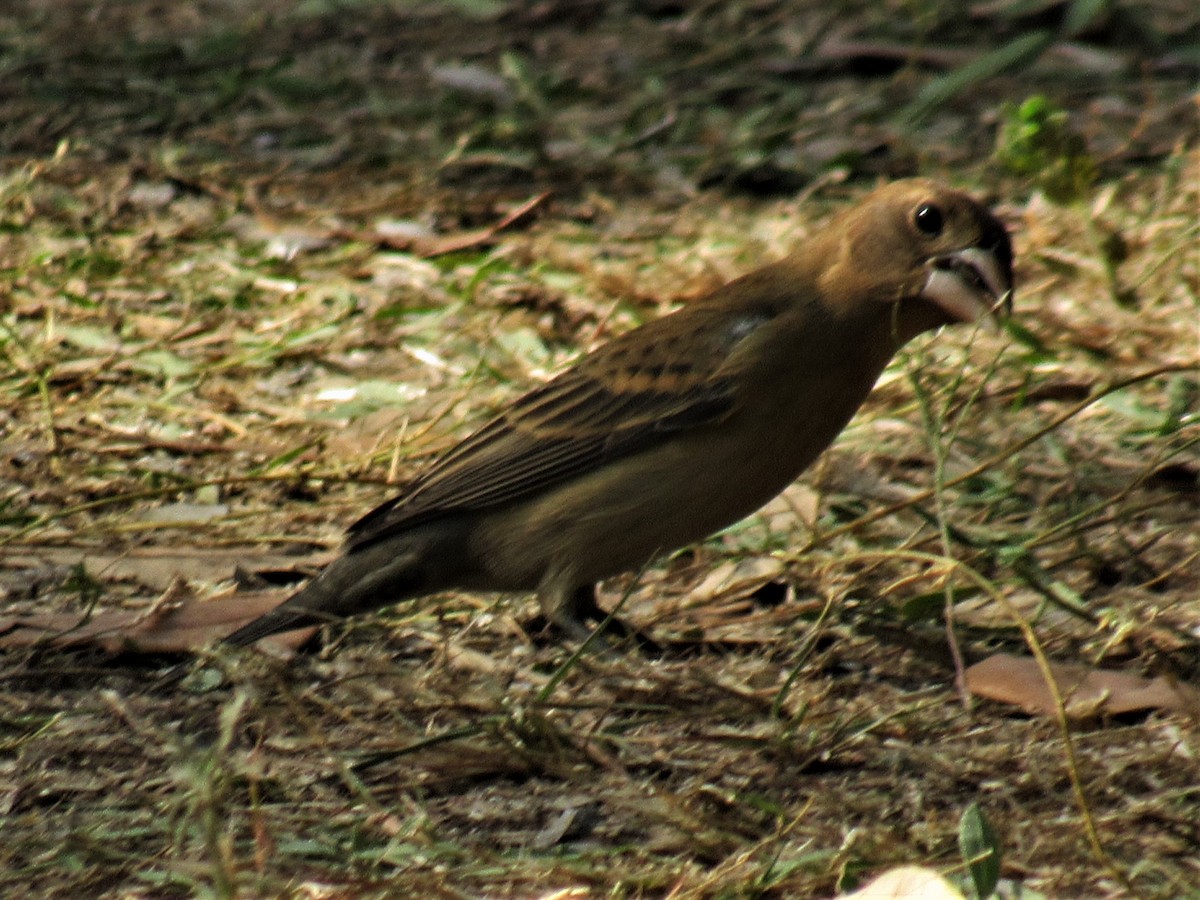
[929, 219]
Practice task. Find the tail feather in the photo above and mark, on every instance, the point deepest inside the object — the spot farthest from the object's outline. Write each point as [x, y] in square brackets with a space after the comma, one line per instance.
[358, 582]
[282, 618]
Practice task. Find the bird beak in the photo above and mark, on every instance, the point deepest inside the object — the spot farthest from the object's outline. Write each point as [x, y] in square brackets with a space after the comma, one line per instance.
[969, 285]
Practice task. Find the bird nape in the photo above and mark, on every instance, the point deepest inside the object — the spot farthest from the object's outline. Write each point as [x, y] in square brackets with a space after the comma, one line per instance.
[676, 429]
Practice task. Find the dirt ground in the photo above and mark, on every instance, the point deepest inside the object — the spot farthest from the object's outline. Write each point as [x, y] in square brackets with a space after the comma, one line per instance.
[262, 261]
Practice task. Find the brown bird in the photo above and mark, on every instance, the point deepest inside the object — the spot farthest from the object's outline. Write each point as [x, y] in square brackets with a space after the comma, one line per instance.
[677, 428]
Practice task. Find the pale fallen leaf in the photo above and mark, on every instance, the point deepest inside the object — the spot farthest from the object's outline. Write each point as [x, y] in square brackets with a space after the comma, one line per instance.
[726, 604]
[571, 824]
[152, 194]
[984, 612]
[157, 567]
[472, 79]
[367, 433]
[177, 513]
[736, 579]
[1086, 691]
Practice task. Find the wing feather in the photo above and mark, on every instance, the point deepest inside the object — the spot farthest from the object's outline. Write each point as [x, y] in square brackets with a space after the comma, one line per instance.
[630, 394]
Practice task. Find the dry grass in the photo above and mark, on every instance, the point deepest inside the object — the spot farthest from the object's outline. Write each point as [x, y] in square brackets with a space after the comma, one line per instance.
[188, 359]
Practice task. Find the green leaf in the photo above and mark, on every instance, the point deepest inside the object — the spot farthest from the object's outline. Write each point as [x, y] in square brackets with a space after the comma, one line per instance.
[1083, 13]
[1016, 52]
[980, 850]
[479, 10]
[1027, 338]
[850, 875]
[283, 458]
[1036, 140]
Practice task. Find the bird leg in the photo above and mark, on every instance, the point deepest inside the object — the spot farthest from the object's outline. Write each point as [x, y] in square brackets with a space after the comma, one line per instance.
[581, 607]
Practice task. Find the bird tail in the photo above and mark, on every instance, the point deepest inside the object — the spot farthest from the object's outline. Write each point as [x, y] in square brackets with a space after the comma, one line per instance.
[362, 580]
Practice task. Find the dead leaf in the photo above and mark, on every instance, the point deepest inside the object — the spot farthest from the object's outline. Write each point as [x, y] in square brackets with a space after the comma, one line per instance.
[176, 513]
[476, 80]
[736, 579]
[157, 567]
[1086, 691]
[175, 623]
[572, 824]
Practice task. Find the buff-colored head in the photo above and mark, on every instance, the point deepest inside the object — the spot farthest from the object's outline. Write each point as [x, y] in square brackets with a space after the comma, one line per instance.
[933, 253]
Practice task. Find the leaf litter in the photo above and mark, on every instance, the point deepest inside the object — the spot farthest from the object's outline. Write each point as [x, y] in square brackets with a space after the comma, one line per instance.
[224, 337]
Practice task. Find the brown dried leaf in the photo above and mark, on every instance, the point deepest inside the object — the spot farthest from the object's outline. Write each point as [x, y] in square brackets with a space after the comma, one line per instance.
[175, 623]
[1086, 691]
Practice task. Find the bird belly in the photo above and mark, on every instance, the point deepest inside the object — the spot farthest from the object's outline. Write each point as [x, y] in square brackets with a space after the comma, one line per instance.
[622, 516]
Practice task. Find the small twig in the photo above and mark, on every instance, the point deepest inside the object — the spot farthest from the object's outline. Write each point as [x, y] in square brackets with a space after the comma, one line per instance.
[934, 424]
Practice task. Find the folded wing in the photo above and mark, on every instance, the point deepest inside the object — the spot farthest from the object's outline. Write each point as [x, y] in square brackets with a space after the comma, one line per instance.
[631, 394]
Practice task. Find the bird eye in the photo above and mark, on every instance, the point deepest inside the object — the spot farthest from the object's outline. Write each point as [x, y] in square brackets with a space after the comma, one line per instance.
[929, 219]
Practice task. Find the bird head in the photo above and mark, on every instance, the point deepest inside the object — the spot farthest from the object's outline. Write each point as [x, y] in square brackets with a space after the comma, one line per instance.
[932, 255]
